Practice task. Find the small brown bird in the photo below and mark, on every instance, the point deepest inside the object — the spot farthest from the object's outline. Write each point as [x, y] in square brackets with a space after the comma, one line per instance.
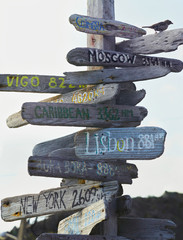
[161, 26]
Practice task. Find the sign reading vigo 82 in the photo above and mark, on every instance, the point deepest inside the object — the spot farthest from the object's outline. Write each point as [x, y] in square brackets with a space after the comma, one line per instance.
[121, 143]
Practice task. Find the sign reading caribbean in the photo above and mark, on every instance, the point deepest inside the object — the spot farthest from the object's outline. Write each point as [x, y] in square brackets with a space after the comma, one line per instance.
[97, 115]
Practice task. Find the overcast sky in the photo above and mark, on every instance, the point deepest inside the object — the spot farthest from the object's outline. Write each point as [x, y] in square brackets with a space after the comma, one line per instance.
[35, 36]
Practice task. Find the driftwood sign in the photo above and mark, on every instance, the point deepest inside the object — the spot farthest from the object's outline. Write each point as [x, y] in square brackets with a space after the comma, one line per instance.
[109, 93]
[54, 236]
[83, 221]
[100, 115]
[146, 228]
[105, 27]
[35, 83]
[95, 94]
[141, 143]
[56, 200]
[100, 57]
[45, 148]
[95, 170]
[127, 74]
[165, 41]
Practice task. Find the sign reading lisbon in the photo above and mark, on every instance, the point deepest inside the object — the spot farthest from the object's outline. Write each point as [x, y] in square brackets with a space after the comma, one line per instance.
[100, 115]
[120, 143]
[100, 57]
[105, 27]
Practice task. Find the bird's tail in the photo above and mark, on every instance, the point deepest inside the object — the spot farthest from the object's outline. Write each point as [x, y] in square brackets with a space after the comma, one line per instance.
[145, 26]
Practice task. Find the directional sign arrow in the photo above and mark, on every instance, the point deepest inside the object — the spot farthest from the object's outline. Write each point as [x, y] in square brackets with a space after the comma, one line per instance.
[120, 143]
[126, 74]
[96, 170]
[83, 221]
[35, 83]
[105, 27]
[99, 115]
[166, 41]
[56, 200]
[100, 57]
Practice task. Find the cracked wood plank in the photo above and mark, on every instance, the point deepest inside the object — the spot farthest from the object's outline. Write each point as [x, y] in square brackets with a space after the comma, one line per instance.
[83, 221]
[72, 167]
[35, 83]
[126, 74]
[142, 143]
[105, 27]
[56, 200]
[94, 115]
[166, 41]
[100, 57]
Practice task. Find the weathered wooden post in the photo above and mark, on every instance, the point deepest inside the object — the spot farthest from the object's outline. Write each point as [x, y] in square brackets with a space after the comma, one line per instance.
[98, 155]
[103, 9]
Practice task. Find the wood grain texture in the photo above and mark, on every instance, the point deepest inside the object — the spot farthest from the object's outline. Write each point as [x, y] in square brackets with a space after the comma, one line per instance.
[56, 200]
[127, 74]
[96, 94]
[146, 228]
[55, 236]
[142, 143]
[105, 27]
[96, 170]
[83, 221]
[35, 83]
[100, 57]
[100, 115]
[165, 41]
[107, 95]
[45, 148]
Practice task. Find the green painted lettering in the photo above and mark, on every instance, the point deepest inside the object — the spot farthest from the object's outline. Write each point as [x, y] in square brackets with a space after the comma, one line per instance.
[51, 113]
[65, 112]
[78, 113]
[37, 112]
[71, 112]
[85, 113]
[59, 110]
[45, 113]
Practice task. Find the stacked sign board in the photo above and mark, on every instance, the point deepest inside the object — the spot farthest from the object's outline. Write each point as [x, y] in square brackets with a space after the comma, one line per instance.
[93, 154]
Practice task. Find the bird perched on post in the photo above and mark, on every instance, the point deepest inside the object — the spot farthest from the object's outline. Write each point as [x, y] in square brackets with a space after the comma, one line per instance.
[161, 26]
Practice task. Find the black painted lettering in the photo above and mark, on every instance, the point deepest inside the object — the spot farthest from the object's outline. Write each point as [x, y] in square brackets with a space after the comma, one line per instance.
[62, 193]
[35, 204]
[74, 203]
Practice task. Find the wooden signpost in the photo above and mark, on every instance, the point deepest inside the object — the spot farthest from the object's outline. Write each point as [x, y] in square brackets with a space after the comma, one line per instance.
[141, 143]
[166, 41]
[83, 221]
[105, 27]
[56, 200]
[96, 170]
[100, 115]
[95, 154]
[100, 57]
[35, 83]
